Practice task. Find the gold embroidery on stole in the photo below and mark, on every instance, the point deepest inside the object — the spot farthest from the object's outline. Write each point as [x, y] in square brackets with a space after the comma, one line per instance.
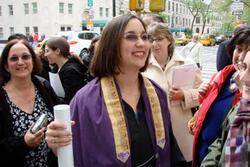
[117, 117]
[156, 113]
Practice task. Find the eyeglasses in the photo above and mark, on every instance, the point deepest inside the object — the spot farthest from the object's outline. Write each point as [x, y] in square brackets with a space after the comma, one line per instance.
[135, 37]
[23, 57]
[159, 39]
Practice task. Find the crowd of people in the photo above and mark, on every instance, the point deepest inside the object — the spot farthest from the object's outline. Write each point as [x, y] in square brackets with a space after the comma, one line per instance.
[126, 109]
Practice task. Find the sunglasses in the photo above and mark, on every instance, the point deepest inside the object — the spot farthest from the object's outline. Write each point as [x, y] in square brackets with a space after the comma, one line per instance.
[23, 57]
[132, 37]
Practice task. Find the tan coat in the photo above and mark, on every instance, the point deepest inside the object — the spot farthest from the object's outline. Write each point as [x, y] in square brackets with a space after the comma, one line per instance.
[180, 111]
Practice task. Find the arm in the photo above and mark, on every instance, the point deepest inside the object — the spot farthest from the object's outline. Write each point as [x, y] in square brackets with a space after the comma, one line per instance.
[10, 145]
[19, 145]
[215, 150]
[76, 131]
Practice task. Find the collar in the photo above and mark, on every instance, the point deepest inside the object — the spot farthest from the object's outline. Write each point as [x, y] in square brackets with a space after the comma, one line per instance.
[176, 59]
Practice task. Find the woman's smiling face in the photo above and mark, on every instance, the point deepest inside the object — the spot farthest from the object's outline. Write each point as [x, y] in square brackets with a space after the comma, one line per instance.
[19, 64]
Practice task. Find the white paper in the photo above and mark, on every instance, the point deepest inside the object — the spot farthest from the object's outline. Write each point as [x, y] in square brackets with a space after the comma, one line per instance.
[56, 84]
[184, 76]
[64, 154]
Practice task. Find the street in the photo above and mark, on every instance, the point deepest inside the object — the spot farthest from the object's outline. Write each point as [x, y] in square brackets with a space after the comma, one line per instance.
[208, 60]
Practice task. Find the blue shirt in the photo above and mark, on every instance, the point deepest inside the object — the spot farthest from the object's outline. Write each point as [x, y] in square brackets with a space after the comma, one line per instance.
[214, 119]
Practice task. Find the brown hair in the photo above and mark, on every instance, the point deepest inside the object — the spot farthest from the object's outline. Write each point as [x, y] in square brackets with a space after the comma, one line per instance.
[37, 65]
[107, 56]
[242, 35]
[155, 29]
[59, 43]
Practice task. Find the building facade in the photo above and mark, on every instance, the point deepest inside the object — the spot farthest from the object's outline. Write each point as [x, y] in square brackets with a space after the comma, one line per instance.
[49, 17]
[213, 24]
[180, 17]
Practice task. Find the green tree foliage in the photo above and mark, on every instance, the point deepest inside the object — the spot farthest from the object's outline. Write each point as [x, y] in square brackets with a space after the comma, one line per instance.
[194, 6]
[164, 16]
[225, 10]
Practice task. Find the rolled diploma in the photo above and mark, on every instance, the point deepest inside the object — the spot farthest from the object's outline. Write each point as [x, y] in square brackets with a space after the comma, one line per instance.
[64, 154]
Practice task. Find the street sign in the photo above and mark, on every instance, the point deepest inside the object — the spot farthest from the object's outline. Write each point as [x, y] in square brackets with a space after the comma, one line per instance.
[90, 3]
[237, 12]
[237, 6]
[207, 1]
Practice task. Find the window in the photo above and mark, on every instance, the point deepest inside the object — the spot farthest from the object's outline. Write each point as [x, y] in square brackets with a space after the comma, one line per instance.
[198, 20]
[68, 28]
[34, 7]
[12, 30]
[11, 9]
[35, 29]
[1, 32]
[62, 28]
[180, 9]
[86, 35]
[172, 6]
[172, 22]
[27, 31]
[176, 8]
[0, 10]
[197, 30]
[70, 8]
[101, 11]
[61, 7]
[26, 8]
[107, 12]
[208, 30]
[169, 7]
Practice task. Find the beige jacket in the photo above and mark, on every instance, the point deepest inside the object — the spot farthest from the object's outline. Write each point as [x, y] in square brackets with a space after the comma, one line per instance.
[180, 111]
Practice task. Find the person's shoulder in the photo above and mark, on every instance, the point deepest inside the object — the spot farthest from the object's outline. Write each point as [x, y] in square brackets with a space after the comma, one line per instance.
[224, 43]
[90, 89]
[73, 65]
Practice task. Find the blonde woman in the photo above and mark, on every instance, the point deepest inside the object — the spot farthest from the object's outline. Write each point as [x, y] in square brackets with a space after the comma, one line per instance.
[180, 101]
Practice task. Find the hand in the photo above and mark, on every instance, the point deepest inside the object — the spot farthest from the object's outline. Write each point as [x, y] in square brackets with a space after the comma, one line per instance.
[33, 140]
[204, 88]
[175, 94]
[57, 135]
[192, 123]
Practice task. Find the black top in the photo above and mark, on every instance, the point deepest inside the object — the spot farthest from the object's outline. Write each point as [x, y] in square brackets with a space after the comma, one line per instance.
[73, 76]
[223, 59]
[141, 144]
[13, 148]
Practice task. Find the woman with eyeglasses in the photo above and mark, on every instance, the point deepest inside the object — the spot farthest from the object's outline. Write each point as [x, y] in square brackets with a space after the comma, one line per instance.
[180, 100]
[229, 148]
[121, 118]
[23, 98]
[217, 98]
